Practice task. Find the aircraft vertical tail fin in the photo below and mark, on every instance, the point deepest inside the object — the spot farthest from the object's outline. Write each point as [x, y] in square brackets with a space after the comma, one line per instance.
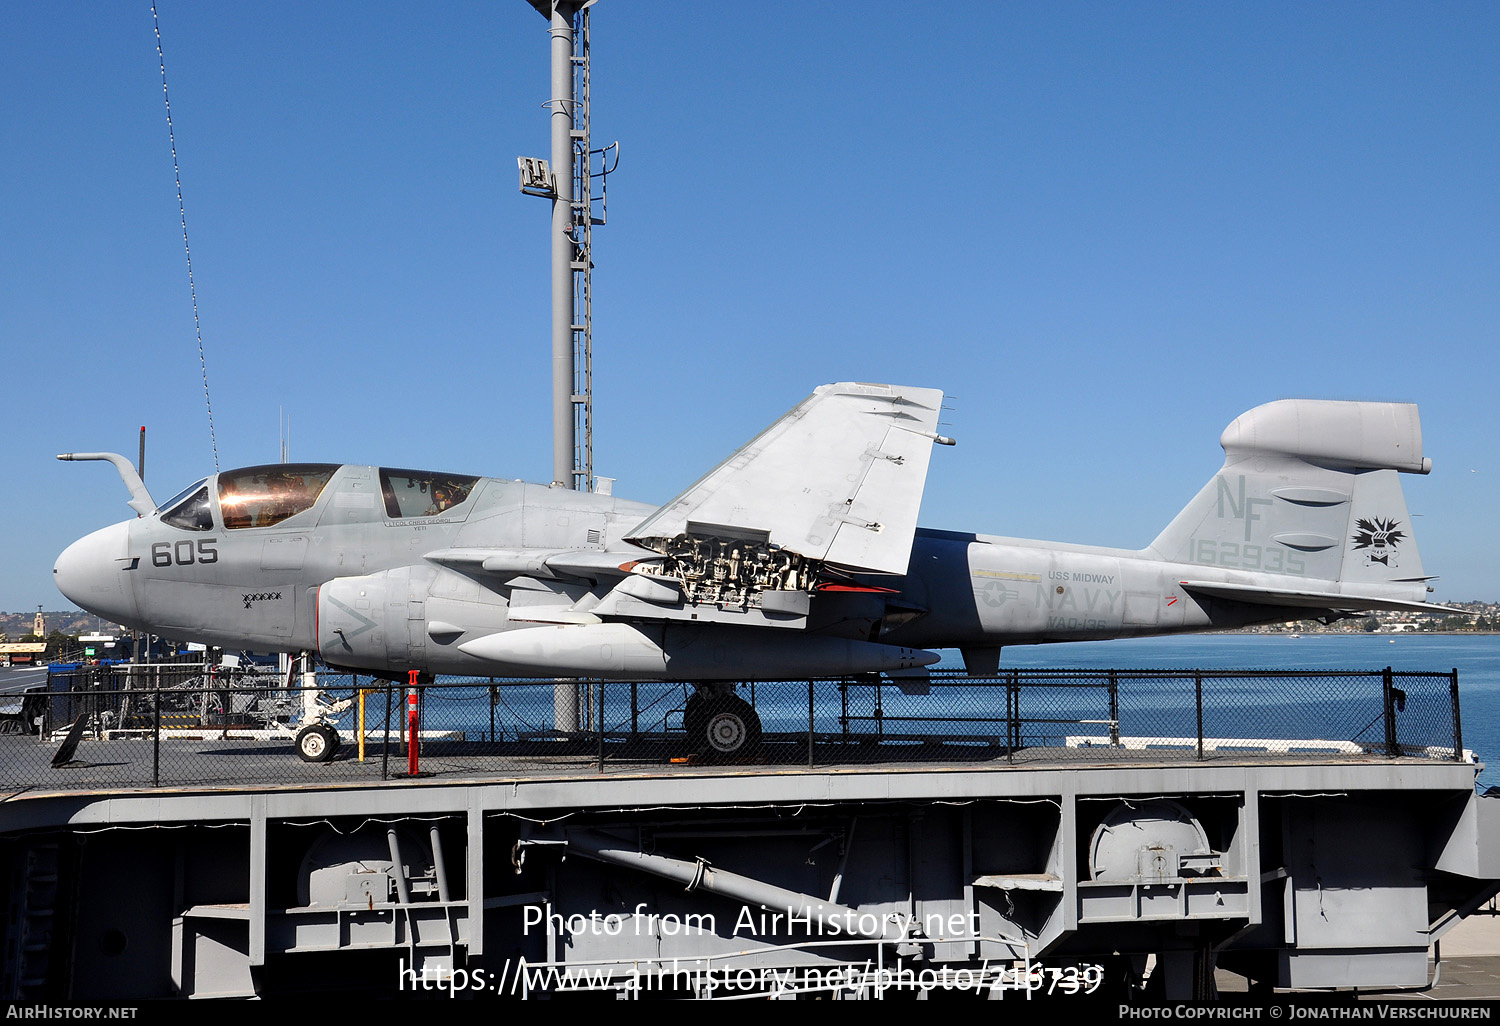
[1309, 494]
[1380, 545]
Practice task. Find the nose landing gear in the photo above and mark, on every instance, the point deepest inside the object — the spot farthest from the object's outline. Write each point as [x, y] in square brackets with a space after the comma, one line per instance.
[317, 742]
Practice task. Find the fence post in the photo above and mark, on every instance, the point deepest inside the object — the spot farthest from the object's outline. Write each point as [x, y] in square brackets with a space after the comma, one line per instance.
[1114, 708]
[599, 721]
[1458, 729]
[156, 742]
[385, 758]
[1388, 690]
[1012, 717]
[1198, 691]
[94, 700]
[359, 696]
[809, 724]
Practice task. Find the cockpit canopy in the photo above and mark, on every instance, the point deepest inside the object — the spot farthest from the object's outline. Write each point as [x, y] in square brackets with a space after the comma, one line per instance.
[262, 496]
[421, 493]
[266, 495]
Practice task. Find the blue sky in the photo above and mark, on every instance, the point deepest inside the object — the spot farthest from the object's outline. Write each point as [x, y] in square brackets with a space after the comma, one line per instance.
[1104, 229]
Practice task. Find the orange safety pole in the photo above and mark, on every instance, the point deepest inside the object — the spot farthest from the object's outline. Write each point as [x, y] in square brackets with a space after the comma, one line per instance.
[411, 722]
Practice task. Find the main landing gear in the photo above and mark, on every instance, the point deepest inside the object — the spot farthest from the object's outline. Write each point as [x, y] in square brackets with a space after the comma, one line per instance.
[720, 724]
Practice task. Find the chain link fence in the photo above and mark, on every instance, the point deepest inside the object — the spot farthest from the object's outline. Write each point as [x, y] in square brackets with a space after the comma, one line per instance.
[108, 727]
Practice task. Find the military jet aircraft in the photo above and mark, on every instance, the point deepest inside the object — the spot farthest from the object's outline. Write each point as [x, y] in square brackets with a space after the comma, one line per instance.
[797, 556]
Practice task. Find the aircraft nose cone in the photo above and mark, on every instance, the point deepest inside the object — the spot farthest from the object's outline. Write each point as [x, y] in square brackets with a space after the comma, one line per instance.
[93, 573]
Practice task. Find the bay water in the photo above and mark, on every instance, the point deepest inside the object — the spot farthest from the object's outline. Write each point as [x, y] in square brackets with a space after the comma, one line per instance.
[1242, 708]
[1475, 656]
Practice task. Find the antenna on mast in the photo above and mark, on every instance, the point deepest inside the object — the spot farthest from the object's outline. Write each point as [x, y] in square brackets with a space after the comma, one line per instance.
[567, 180]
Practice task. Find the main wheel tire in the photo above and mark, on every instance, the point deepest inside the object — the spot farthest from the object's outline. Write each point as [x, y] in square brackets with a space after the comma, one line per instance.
[317, 743]
[722, 726]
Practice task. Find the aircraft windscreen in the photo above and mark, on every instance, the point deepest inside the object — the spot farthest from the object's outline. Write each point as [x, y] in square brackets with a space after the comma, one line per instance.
[262, 496]
[194, 513]
[420, 493]
[189, 490]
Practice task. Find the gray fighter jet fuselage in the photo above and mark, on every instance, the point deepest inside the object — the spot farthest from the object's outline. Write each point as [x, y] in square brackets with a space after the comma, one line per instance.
[797, 556]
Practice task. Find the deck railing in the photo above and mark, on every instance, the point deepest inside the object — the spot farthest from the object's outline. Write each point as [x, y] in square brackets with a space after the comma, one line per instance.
[170, 725]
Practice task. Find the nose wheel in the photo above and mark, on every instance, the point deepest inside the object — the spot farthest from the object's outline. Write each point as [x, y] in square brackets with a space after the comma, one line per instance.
[317, 743]
[722, 726]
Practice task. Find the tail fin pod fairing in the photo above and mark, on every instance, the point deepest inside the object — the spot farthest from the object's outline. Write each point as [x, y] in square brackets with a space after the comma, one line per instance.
[1310, 503]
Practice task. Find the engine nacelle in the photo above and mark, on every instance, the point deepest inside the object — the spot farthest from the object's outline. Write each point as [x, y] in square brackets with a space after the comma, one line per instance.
[433, 619]
[625, 651]
[408, 618]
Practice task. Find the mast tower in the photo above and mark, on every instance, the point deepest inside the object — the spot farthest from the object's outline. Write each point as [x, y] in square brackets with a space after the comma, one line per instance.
[567, 178]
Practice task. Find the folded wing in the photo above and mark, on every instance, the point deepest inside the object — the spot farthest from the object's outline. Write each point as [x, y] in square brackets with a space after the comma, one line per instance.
[833, 486]
[837, 480]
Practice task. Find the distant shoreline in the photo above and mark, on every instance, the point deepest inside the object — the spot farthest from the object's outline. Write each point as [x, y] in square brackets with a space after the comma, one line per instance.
[1355, 634]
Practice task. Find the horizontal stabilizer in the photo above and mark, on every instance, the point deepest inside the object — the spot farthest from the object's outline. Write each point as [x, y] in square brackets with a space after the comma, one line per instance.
[1294, 599]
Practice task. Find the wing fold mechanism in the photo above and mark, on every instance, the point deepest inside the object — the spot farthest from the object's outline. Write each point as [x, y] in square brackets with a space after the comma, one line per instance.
[834, 484]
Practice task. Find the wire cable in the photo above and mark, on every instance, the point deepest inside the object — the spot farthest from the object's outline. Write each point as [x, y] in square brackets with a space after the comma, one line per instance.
[182, 212]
